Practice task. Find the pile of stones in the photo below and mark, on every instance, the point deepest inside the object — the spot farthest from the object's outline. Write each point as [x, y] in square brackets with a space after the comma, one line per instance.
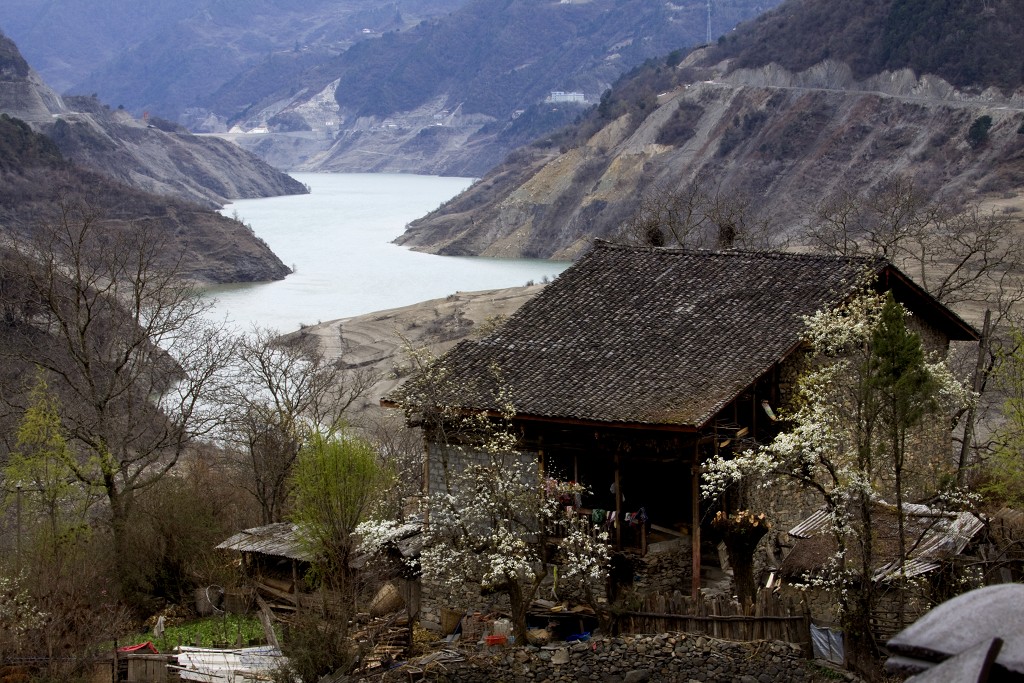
[658, 658]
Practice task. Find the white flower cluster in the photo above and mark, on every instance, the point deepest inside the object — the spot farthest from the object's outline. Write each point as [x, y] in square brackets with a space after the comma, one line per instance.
[495, 521]
[376, 534]
[18, 615]
[836, 331]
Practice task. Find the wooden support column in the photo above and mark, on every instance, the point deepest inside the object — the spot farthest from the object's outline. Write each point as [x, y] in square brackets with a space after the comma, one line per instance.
[754, 406]
[618, 503]
[695, 520]
[425, 484]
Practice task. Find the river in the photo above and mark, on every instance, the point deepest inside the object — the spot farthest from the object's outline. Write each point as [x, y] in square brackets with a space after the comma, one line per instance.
[337, 239]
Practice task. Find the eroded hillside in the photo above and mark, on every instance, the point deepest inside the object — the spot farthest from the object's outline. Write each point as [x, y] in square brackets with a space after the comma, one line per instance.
[783, 141]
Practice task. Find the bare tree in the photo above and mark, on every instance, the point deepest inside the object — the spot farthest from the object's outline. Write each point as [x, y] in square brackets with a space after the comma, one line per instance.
[969, 259]
[281, 392]
[698, 215]
[962, 255]
[124, 344]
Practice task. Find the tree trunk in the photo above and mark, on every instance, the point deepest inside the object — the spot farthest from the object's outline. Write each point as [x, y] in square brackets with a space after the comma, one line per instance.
[741, 533]
[119, 530]
[519, 608]
[861, 650]
[977, 385]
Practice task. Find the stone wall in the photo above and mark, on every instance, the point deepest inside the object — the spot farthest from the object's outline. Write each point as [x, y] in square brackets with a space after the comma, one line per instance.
[663, 658]
[666, 567]
[442, 459]
[436, 601]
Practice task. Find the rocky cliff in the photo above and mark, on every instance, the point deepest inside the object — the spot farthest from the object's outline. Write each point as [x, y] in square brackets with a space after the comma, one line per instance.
[455, 94]
[809, 100]
[150, 155]
[42, 177]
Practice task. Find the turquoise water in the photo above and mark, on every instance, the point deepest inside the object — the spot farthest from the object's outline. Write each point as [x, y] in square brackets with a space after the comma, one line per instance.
[338, 241]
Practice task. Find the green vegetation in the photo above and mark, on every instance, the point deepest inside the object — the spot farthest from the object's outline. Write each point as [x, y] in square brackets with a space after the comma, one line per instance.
[21, 147]
[679, 128]
[1003, 471]
[337, 483]
[977, 134]
[222, 630]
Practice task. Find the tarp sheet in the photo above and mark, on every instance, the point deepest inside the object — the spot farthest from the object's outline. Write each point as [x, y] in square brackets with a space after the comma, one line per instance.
[828, 644]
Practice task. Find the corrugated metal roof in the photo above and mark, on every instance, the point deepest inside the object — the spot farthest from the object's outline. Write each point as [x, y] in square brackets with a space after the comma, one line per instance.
[211, 664]
[280, 540]
[932, 535]
[946, 538]
[813, 525]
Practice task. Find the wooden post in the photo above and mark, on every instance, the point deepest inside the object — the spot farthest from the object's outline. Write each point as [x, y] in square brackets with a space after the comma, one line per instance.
[267, 621]
[17, 514]
[618, 503]
[695, 520]
[425, 485]
[754, 407]
[542, 466]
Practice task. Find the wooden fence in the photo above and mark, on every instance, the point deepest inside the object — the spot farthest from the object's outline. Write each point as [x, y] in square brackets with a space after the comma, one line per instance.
[767, 618]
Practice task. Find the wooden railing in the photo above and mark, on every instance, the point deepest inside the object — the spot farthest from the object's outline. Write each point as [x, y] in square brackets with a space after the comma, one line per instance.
[767, 618]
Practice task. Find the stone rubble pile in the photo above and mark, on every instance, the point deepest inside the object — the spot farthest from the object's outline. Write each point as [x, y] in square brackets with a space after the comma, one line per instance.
[662, 658]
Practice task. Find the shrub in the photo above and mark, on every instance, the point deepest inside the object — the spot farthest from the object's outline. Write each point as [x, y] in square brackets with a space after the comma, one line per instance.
[977, 134]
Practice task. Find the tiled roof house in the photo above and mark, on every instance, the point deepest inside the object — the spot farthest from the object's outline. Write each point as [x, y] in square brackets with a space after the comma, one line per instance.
[637, 362]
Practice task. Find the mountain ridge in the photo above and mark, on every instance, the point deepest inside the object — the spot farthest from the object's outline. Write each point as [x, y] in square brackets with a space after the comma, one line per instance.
[43, 175]
[778, 140]
[455, 94]
[441, 87]
[151, 155]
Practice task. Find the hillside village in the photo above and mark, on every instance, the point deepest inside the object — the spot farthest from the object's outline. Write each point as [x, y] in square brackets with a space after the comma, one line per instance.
[766, 427]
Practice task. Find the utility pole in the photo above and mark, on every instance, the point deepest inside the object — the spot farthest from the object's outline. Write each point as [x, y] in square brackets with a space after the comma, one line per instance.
[709, 23]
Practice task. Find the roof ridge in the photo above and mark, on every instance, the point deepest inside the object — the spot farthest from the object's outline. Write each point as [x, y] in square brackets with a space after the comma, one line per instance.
[774, 253]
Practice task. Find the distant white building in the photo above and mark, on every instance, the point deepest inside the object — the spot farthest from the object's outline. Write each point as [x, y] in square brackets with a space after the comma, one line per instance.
[561, 96]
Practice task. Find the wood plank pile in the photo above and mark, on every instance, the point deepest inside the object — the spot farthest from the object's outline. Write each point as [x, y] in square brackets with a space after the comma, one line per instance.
[281, 596]
[384, 639]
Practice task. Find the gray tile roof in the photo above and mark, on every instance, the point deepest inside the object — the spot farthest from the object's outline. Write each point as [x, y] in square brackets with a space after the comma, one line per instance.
[281, 539]
[651, 336]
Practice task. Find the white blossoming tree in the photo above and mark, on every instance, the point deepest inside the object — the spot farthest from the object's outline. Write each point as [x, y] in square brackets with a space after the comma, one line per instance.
[498, 522]
[18, 616]
[501, 524]
[867, 410]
